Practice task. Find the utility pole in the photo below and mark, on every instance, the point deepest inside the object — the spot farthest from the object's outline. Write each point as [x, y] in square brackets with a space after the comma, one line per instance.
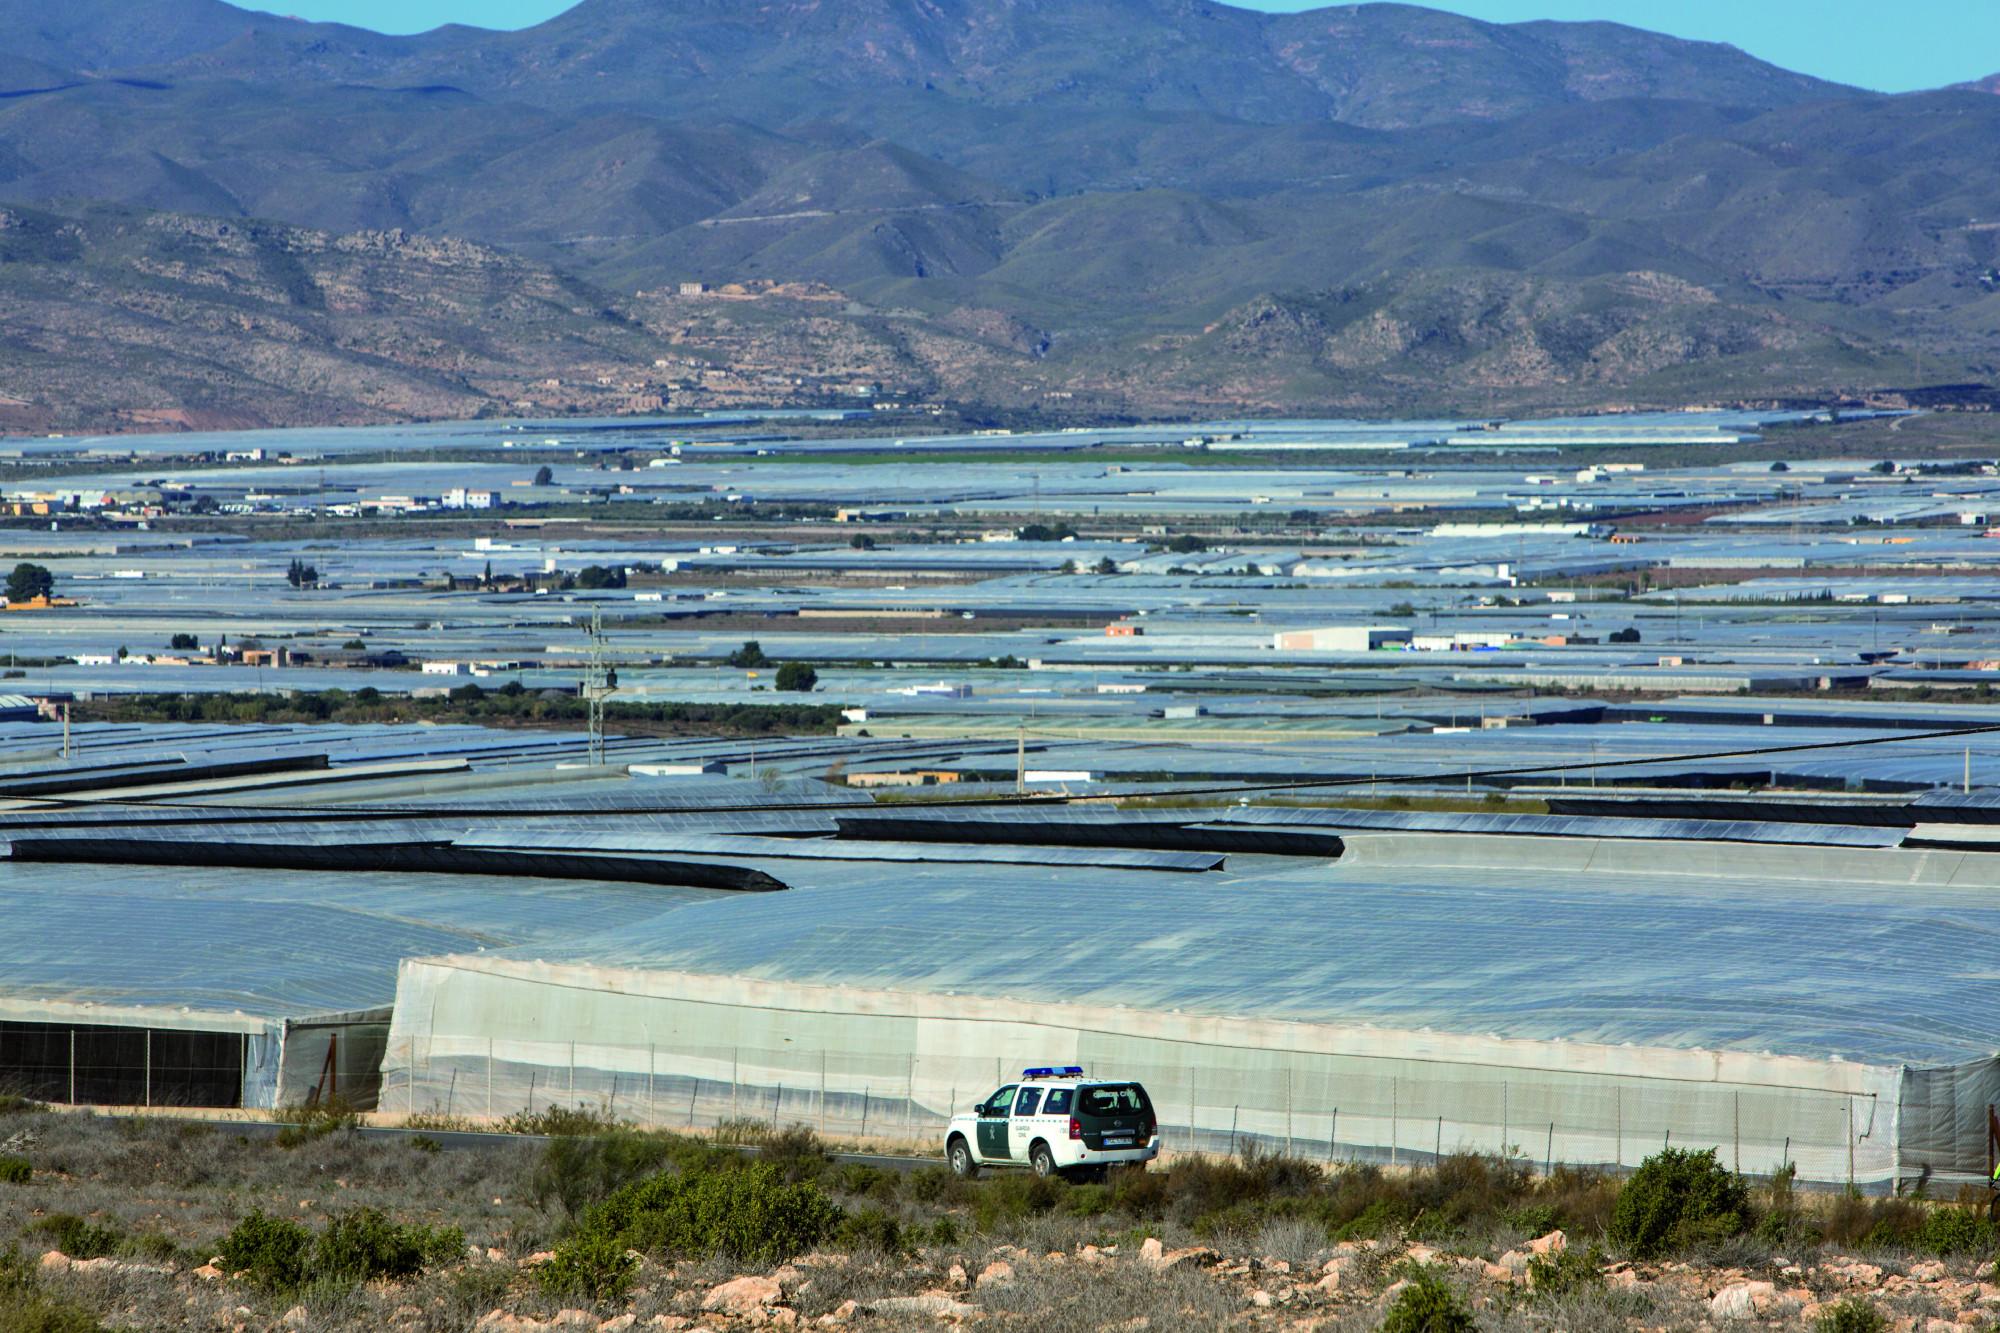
[1020, 759]
[599, 680]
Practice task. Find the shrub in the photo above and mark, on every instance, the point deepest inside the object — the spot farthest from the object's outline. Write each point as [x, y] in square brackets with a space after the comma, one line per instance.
[576, 1172]
[871, 1229]
[1852, 1315]
[592, 1264]
[25, 1307]
[362, 1245]
[1678, 1198]
[273, 1252]
[1949, 1230]
[749, 1215]
[1566, 1273]
[281, 1255]
[15, 1170]
[77, 1238]
[797, 677]
[14, 1104]
[1427, 1304]
[1013, 1197]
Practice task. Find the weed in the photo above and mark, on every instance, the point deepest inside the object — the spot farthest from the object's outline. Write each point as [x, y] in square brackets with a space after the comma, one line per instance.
[1428, 1304]
[558, 1121]
[1678, 1198]
[439, 1123]
[12, 1103]
[15, 1170]
[1852, 1315]
[1013, 1197]
[935, 1185]
[304, 1124]
[795, 1153]
[424, 1143]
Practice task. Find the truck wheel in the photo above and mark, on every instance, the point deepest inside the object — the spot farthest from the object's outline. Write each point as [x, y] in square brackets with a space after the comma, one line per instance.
[962, 1165]
[1042, 1160]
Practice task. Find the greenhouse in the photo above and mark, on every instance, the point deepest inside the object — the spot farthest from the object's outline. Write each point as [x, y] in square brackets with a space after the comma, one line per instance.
[1578, 1000]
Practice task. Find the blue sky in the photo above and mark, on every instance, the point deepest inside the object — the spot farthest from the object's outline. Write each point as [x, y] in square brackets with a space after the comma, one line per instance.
[1891, 45]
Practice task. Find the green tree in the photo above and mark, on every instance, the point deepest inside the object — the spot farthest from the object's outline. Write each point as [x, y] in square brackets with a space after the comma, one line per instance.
[798, 677]
[544, 476]
[184, 643]
[600, 576]
[28, 582]
[750, 655]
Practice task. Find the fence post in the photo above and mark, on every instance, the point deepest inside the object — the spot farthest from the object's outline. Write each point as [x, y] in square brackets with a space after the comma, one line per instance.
[489, 1078]
[1503, 1118]
[1619, 1092]
[1437, 1150]
[1332, 1132]
[1234, 1112]
[1549, 1155]
[72, 1066]
[1288, 1110]
[1395, 1113]
[694, 1090]
[1736, 1133]
[777, 1100]
[149, 1068]
[1850, 1143]
[1194, 1102]
[451, 1096]
[652, 1090]
[572, 1073]
[531, 1091]
[864, 1111]
[822, 1091]
[735, 1059]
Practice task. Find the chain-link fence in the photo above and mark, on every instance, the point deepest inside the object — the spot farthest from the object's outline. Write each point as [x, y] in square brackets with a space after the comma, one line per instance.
[1332, 1108]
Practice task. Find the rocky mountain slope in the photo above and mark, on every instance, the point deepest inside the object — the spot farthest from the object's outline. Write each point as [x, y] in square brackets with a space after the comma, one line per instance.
[1574, 212]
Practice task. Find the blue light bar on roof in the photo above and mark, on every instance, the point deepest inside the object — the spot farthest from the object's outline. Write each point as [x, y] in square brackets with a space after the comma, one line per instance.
[1052, 1071]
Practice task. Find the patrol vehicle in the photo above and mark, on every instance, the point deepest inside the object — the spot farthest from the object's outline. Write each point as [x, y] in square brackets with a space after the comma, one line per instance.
[1056, 1122]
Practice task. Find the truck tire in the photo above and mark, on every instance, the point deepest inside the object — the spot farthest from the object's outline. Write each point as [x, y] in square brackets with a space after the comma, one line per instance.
[1043, 1161]
[959, 1153]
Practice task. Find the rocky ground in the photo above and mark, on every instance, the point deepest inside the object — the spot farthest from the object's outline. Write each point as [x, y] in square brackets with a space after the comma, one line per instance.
[120, 1226]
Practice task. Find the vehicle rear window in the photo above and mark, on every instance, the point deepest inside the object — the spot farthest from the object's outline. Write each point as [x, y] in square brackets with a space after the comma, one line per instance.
[1026, 1103]
[1113, 1099]
[1058, 1101]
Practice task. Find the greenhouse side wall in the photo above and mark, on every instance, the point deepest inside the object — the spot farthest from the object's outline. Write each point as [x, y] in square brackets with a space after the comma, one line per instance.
[489, 1037]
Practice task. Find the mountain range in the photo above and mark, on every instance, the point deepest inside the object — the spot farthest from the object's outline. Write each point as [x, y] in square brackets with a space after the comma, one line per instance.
[1145, 206]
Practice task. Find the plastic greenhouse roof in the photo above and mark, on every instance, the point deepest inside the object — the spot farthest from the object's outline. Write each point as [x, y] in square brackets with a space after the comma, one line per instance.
[270, 944]
[1519, 951]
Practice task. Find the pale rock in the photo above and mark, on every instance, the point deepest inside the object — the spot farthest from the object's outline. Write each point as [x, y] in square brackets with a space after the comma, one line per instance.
[1276, 1266]
[1930, 1270]
[1056, 1257]
[1514, 1261]
[742, 1295]
[538, 1258]
[294, 1318]
[55, 1261]
[1497, 1273]
[1091, 1254]
[1624, 1279]
[1395, 1289]
[1940, 1326]
[1152, 1251]
[1423, 1254]
[781, 1317]
[618, 1323]
[929, 1303]
[494, 1255]
[996, 1274]
[208, 1273]
[1739, 1300]
[1331, 1282]
[1261, 1299]
[668, 1323]
[412, 1312]
[1553, 1243]
[955, 1277]
[843, 1312]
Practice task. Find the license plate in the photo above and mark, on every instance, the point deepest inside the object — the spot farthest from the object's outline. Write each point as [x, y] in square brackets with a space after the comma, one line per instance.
[1124, 1142]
